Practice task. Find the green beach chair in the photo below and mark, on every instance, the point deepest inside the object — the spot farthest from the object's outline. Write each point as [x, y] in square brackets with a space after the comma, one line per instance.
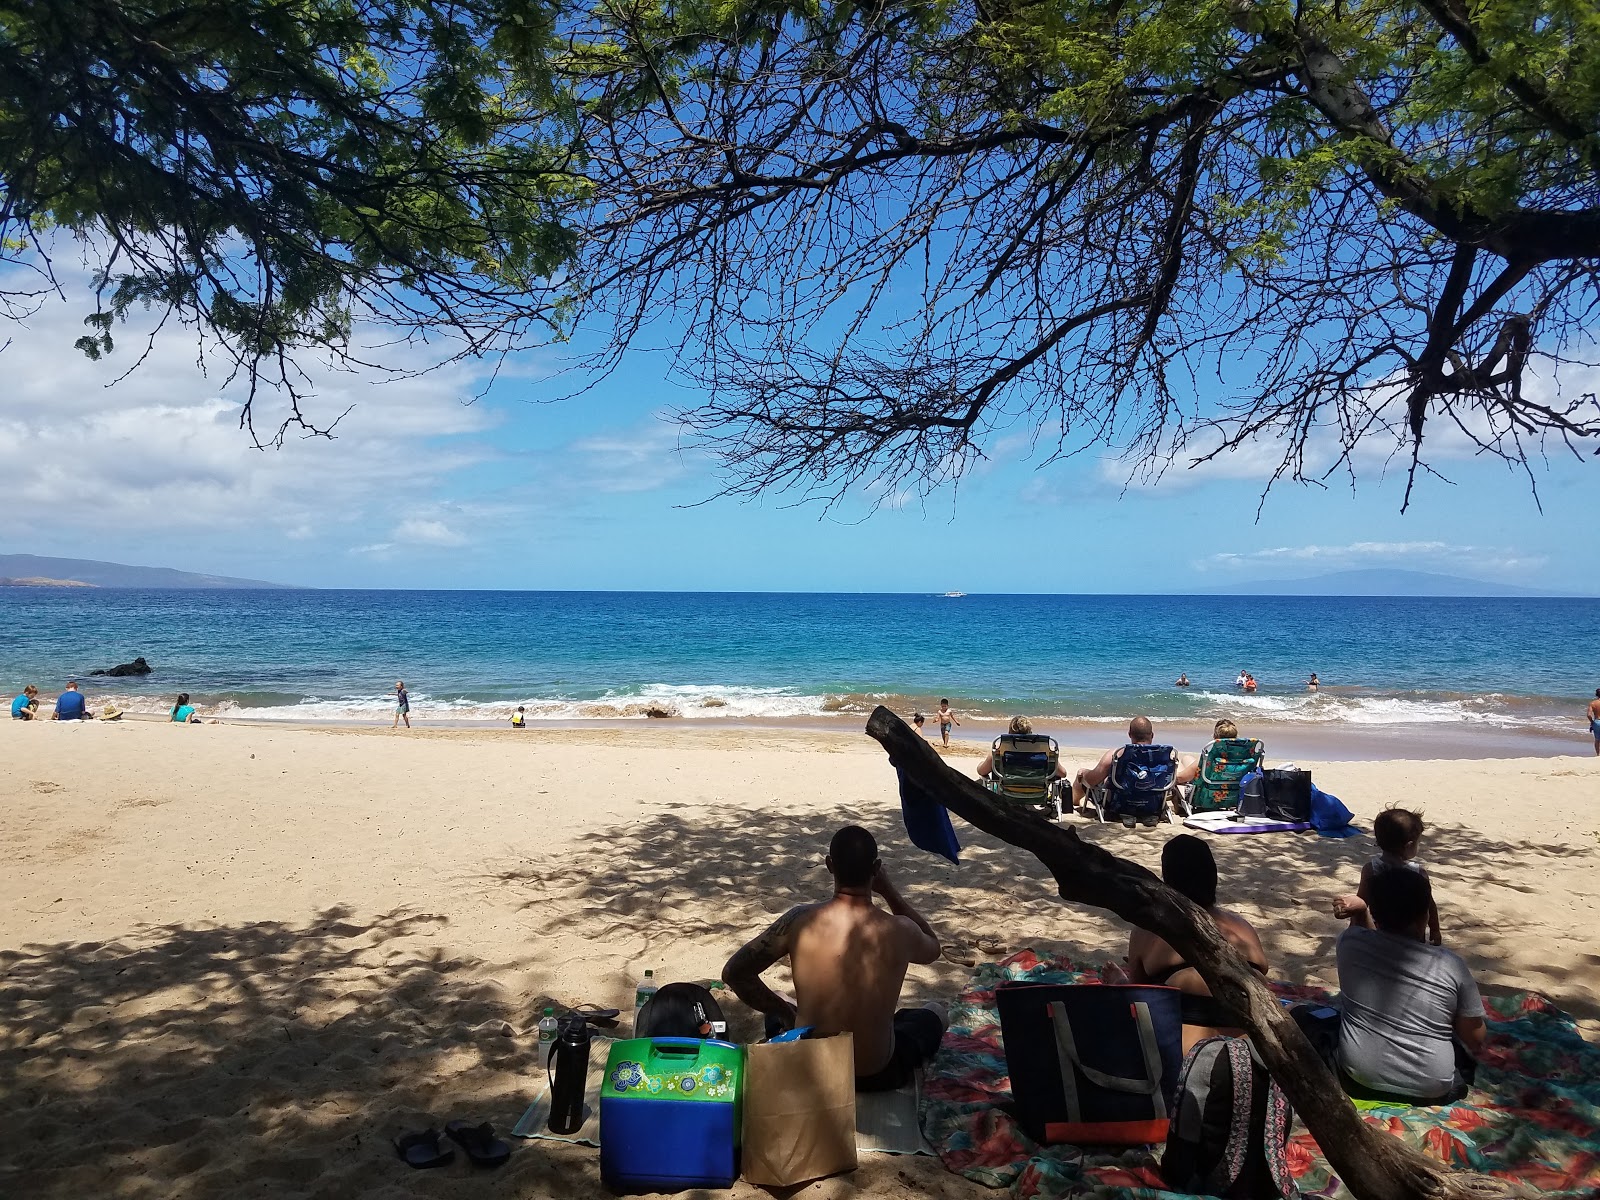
[1025, 771]
[1222, 764]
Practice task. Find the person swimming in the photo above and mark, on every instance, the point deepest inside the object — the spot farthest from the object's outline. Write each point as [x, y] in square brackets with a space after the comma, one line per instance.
[1313, 683]
[1182, 680]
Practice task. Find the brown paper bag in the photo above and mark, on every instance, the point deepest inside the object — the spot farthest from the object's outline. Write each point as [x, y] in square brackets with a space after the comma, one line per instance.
[799, 1110]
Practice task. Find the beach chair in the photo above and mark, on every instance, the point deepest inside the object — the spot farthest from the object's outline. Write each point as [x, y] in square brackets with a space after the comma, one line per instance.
[1140, 780]
[1223, 763]
[1025, 772]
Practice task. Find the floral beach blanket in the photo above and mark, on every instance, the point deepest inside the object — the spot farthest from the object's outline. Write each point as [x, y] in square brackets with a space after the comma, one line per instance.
[1533, 1116]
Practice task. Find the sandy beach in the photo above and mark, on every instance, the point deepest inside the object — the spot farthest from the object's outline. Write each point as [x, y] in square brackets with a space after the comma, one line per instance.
[237, 959]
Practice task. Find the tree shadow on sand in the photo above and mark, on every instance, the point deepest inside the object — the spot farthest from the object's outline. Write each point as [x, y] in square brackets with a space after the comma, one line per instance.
[651, 879]
[205, 1062]
[275, 1060]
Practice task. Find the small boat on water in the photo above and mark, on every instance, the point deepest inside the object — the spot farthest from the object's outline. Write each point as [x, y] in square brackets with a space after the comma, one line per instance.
[954, 595]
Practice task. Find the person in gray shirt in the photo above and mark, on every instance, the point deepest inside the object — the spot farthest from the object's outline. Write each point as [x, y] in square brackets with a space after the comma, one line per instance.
[1411, 1015]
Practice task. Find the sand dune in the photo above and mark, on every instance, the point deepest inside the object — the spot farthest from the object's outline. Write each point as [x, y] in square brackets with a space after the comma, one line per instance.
[236, 960]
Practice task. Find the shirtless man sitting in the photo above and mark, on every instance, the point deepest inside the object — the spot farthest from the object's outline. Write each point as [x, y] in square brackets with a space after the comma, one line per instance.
[849, 958]
[1140, 733]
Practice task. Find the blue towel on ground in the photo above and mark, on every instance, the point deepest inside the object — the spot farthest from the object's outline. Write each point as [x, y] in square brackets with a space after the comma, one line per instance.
[927, 823]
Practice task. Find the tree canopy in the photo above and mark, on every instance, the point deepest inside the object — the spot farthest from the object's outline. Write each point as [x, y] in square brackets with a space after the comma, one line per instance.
[878, 233]
[894, 228]
[272, 172]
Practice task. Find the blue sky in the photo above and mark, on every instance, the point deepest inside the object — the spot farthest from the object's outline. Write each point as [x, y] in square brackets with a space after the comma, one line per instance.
[424, 490]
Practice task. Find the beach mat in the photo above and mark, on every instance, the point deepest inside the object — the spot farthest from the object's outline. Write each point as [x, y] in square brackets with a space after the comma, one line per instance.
[1532, 1117]
[889, 1122]
[886, 1122]
[1232, 822]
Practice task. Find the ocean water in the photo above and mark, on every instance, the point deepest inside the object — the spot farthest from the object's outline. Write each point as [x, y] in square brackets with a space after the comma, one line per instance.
[1505, 664]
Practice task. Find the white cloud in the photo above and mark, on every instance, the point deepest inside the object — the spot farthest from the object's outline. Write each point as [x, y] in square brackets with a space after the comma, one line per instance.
[161, 451]
[418, 532]
[641, 459]
[1425, 554]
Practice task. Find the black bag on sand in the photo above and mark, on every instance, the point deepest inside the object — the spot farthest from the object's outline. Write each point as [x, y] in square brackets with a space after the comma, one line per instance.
[1286, 794]
[1230, 1126]
[680, 1010]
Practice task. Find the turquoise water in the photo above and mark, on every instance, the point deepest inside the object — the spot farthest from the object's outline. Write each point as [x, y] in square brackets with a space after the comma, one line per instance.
[1518, 664]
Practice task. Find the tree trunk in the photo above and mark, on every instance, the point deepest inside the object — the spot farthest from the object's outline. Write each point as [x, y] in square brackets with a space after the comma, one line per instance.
[1372, 1164]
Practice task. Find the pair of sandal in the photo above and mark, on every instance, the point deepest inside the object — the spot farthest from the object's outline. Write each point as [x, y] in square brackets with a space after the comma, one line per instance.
[424, 1149]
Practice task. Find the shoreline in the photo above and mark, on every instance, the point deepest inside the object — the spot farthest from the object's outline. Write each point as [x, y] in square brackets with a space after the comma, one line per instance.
[1284, 741]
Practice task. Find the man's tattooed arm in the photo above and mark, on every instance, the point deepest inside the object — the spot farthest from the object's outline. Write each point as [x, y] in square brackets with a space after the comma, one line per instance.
[743, 972]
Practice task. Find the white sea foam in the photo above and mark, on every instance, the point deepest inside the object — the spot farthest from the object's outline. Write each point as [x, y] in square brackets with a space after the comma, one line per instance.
[1325, 708]
[689, 701]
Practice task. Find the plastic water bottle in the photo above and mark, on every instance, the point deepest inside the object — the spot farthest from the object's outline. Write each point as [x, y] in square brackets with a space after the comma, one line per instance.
[548, 1025]
[642, 994]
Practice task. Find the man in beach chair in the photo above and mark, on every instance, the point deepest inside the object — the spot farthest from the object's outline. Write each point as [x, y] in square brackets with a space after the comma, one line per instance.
[1224, 761]
[1025, 767]
[1132, 783]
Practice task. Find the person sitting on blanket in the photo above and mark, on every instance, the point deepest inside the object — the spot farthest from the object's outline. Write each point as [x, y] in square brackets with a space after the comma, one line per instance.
[1411, 1018]
[1019, 727]
[848, 958]
[1140, 733]
[1187, 866]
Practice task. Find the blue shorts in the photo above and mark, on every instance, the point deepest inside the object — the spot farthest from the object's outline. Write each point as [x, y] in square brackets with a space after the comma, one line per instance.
[1594, 727]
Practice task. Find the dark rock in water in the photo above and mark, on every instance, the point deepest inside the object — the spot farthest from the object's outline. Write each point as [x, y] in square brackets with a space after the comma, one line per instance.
[137, 667]
[661, 710]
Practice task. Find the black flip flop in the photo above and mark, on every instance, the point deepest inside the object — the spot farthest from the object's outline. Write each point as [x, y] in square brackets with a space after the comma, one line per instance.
[422, 1149]
[480, 1143]
[596, 1015]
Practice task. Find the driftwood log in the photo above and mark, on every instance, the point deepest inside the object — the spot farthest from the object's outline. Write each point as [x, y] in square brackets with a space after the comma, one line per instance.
[1372, 1164]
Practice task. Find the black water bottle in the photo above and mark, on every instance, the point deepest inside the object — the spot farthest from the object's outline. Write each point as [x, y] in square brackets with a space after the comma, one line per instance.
[569, 1075]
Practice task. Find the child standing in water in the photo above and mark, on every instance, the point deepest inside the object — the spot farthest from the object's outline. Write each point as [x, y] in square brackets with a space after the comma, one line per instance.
[946, 717]
[1398, 832]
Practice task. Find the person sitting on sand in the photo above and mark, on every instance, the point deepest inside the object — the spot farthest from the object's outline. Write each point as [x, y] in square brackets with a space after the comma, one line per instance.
[519, 719]
[1411, 1018]
[1141, 732]
[1187, 866]
[71, 706]
[1019, 727]
[848, 958]
[26, 706]
[1398, 832]
[183, 712]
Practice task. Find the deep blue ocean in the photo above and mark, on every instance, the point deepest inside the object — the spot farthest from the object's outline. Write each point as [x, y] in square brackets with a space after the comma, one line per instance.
[1509, 664]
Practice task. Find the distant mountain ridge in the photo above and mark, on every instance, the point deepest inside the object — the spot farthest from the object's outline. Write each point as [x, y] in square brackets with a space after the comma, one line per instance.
[32, 570]
[1373, 582]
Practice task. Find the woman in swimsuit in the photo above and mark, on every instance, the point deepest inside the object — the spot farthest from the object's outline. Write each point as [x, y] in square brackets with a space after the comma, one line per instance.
[1187, 866]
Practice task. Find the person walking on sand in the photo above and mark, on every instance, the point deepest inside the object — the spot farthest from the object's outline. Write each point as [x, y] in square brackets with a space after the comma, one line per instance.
[402, 706]
[946, 718]
[1594, 719]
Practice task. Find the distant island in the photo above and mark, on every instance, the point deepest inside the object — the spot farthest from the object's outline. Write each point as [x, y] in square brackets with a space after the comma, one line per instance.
[32, 570]
[1375, 582]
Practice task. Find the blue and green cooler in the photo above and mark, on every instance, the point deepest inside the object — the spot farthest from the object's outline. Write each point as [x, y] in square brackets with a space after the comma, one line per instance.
[669, 1115]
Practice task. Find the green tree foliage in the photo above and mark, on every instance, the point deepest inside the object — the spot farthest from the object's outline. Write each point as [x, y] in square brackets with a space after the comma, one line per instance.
[272, 172]
[895, 228]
